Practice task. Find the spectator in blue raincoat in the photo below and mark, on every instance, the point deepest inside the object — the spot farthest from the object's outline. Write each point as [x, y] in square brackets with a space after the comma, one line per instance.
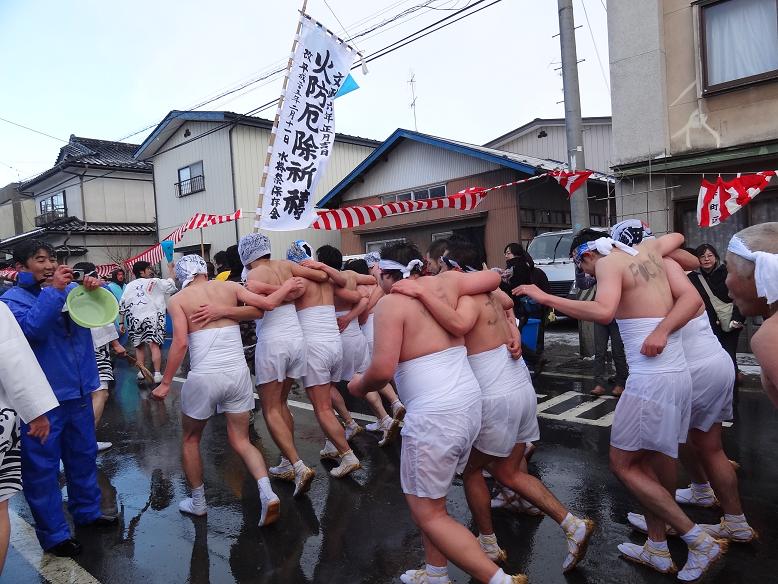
[65, 353]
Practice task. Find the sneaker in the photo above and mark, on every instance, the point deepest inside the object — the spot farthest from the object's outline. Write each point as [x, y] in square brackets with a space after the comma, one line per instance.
[329, 451]
[188, 506]
[103, 446]
[157, 377]
[647, 555]
[421, 577]
[577, 543]
[65, 549]
[271, 509]
[740, 532]
[284, 471]
[702, 555]
[348, 464]
[302, 482]
[638, 523]
[352, 430]
[697, 496]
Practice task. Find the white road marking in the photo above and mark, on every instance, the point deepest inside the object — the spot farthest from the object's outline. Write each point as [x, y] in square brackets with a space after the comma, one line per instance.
[55, 570]
[562, 397]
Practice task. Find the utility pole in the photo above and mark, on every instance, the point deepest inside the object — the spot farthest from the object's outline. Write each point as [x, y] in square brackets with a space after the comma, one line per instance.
[579, 202]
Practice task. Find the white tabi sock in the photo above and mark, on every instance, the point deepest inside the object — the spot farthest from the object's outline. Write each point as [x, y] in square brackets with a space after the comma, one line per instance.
[500, 577]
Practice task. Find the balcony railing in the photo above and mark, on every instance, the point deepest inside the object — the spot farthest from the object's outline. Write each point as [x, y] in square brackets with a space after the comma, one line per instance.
[49, 217]
[190, 186]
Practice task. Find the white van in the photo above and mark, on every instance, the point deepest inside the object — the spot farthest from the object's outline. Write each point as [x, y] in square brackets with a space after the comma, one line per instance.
[551, 253]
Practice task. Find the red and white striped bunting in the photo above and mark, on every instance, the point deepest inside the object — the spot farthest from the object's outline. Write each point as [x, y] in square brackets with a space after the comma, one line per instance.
[154, 254]
[718, 201]
[350, 217]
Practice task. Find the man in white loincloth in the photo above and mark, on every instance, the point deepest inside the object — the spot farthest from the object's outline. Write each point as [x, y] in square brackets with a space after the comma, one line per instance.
[142, 312]
[652, 416]
[324, 354]
[25, 395]
[443, 400]
[508, 406]
[219, 379]
[752, 262]
[389, 426]
[713, 381]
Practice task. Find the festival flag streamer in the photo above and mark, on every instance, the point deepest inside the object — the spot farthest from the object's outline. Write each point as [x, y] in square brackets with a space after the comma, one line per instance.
[717, 201]
[350, 217]
[304, 130]
[571, 181]
[155, 254]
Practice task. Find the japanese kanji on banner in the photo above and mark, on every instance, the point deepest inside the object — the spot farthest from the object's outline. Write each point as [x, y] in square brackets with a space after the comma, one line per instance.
[305, 131]
[717, 201]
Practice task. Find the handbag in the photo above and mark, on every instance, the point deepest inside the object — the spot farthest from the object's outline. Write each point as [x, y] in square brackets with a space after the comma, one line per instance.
[722, 309]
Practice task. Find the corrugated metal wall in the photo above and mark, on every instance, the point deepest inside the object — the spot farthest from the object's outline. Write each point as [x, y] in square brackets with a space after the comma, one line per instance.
[411, 164]
[597, 145]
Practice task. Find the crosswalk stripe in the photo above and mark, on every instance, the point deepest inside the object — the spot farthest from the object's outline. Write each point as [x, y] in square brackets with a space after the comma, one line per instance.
[55, 570]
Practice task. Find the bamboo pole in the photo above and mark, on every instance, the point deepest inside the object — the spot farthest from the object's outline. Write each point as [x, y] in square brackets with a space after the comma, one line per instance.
[274, 130]
[202, 244]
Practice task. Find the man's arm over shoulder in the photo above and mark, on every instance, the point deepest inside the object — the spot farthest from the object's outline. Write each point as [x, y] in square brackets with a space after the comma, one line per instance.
[666, 244]
[763, 344]
[474, 283]
[309, 273]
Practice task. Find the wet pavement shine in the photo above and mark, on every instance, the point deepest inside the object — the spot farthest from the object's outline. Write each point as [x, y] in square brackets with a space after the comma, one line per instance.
[358, 529]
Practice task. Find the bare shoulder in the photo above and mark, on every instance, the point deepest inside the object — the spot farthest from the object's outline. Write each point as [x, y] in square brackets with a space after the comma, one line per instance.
[766, 337]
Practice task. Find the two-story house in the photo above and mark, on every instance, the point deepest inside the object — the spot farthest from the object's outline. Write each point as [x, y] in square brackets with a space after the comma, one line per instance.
[95, 204]
[694, 94]
[212, 162]
[17, 211]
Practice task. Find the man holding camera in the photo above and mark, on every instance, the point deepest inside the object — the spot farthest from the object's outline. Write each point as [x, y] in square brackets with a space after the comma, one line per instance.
[65, 353]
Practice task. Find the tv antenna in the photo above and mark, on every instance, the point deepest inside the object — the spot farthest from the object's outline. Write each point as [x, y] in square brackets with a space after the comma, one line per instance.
[412, 83]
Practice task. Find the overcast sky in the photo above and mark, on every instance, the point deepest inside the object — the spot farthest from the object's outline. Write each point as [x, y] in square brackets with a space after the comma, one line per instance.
[106, 69]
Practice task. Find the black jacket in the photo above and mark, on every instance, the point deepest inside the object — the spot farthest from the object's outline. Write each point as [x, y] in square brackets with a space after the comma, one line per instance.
[716, 282]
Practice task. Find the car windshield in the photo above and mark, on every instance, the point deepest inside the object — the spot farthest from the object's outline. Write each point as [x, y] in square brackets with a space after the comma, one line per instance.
[551, 247]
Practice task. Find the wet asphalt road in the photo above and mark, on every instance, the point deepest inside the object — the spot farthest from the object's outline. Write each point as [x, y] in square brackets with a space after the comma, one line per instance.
[358, 530]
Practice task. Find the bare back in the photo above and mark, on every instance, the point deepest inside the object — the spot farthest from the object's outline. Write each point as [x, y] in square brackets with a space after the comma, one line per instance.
[273, 272]
[351, 284]
[645, 290]
[197, 294]
[491, 328]
[316, 294]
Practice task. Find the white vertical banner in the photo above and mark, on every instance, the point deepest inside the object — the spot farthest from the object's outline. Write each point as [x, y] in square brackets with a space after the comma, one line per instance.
[305, 132]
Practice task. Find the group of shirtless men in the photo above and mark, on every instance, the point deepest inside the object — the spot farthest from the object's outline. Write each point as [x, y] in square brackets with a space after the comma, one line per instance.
[450, 346]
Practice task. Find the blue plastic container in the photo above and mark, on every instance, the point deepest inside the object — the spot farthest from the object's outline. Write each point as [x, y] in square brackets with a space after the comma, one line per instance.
[529, 334]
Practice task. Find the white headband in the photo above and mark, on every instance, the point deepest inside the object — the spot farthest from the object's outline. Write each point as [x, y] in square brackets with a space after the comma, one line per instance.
[406, 270]
[765, 270]
[603, 246]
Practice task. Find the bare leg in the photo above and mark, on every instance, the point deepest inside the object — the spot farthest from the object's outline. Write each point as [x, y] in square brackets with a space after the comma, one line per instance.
[5, 533]
[238, 436]
[432, 555]
[508, 471]
[193, 464]
[477, 492]
[717, 466]
[451, 539]
[655, 498]
[99, 398]
[287, 414]
[657, 469]
[140, 354]
[322, 407]
[340, 405]
[376, 404]
[690, 458]
[389, 393]
[273, 397]
[156, 356]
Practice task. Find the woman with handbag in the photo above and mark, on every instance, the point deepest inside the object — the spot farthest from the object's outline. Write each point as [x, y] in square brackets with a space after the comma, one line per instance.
[725, 318]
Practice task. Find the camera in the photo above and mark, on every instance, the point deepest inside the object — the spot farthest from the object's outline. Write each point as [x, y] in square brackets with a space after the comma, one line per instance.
[79, 275]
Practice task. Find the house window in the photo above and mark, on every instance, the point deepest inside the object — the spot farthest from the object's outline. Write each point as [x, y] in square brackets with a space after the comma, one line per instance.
[376, 246]
[55, 204]
[190, 179]
[417, 195]
[442, 235]
[739, 41]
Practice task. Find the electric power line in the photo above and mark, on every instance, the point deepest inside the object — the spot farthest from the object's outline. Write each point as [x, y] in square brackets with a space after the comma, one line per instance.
[596, 51]
[34, 130]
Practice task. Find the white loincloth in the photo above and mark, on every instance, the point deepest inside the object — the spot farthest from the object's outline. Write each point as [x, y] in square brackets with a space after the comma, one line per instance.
[280, 350]
[443, 400]
[653, 412]
[356, 357]
[509, 406]
[368, 331]
[713, 376]
[324, 351]
[219, 380]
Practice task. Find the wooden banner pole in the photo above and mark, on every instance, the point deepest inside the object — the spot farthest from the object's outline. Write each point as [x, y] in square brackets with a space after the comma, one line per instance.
[274, 130]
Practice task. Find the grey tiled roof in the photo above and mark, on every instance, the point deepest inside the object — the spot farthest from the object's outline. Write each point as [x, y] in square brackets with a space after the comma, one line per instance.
[74, 225]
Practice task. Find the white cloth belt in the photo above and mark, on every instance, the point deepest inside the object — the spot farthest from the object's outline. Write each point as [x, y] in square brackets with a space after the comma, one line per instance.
[279, 322]
[216, 349]
[353, 326]
[765, 270]
[634, 331]
[319, 324]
